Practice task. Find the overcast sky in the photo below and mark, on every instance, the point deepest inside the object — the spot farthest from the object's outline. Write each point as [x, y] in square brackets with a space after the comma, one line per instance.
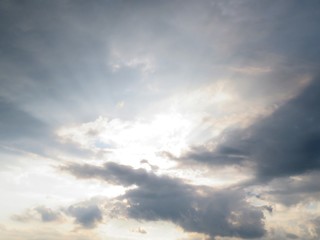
[175, 120]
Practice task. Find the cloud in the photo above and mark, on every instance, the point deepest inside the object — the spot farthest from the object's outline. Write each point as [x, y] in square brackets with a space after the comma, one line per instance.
[48, 215]
[40, 213]
[22, 133]
[194, 208]
[316, 223]
[285, 143]
[49, 57]
[220, 156]
[82, 60]
[289, 191]
[18, 124]
[88, 216]
[24, 217]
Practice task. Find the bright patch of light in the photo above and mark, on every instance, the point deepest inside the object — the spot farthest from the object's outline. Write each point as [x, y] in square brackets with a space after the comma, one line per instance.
[130, 142]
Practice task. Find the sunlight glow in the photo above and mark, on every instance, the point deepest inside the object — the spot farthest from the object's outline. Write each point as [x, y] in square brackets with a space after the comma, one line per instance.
[130, 142]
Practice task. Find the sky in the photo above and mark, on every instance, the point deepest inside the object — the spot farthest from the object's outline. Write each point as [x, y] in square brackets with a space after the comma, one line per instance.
[176, 120]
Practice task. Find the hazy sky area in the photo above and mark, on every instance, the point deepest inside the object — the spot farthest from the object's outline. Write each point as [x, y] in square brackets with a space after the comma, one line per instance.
[159, 120]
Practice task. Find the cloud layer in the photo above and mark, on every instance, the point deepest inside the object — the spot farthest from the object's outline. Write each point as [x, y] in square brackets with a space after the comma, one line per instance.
[208, 111]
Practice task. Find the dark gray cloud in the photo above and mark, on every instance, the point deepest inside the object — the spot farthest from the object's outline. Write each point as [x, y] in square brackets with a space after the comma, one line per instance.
[281, 149]
[220, 156]
[88, 216]
[283, 144]
[287, 142]
[194, 208]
